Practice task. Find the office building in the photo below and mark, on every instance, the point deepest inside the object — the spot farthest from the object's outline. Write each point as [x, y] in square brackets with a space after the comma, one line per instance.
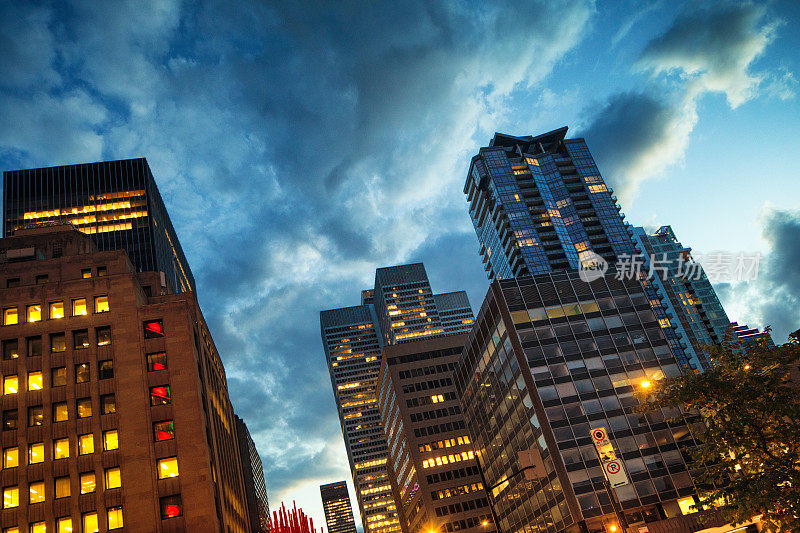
[115, 407]
[117, 203]
[254, 485]
[550, 358]
[751, 337]
[539, 205]
[338, 511]
[432, 465]
[688, 294]
[399, 308]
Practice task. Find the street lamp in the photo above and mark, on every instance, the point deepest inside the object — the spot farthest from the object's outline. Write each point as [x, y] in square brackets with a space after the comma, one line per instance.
[645, 384]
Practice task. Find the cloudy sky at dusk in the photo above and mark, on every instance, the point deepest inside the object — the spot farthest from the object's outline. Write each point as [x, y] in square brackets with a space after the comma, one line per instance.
[300, 145]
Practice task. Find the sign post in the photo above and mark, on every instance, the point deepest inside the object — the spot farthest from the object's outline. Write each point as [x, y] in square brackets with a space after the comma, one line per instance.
[613, 470]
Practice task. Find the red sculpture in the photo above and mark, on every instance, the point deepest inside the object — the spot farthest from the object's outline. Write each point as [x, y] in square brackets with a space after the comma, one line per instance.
[294, 521]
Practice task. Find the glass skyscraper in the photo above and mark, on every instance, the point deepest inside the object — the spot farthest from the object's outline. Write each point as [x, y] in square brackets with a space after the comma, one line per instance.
[401, 307]
[555, 353]
[117, 203]
[336, 504]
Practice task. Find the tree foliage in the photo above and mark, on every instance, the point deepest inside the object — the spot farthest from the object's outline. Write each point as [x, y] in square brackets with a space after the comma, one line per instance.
[750, 450]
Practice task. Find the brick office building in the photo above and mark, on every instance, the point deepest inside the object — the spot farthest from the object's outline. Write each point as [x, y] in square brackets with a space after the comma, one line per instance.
[115, 410]
[432, 465]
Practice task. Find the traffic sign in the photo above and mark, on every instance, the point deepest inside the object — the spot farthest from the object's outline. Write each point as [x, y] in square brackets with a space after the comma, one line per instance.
[615, 473]
[600, 437]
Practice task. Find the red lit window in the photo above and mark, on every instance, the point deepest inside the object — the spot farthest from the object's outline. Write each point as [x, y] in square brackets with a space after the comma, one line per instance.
[171, 506]
[156, 361]
[164, 430]
[160, 395]
[153, 329]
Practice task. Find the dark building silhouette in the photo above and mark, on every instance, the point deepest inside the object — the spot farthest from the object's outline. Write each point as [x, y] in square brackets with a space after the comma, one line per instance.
[338, 511]
[117, 203]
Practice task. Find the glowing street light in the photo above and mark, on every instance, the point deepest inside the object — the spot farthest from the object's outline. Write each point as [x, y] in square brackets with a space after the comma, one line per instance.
[645, 384]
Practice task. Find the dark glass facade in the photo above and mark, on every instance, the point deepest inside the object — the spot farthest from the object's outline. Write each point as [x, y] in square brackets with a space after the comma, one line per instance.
[539, 204]
[116, 202]
[550, 357]
[254, 486]
[336, 504]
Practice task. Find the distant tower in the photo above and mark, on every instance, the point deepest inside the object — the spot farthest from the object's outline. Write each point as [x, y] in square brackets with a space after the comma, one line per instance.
[338, 512]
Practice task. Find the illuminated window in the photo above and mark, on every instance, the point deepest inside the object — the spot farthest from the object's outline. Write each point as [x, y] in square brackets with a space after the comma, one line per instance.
[105, 369]
[58, 376]
[110, 440]
[63, 487]
[79, 307]
[10, 349]
[80, 339]
[34, 313]
[86, 273]
[84, 407]
[90, 523]
[35, 415]
[11, 457]
[114, 517]
[686, 505]
[156, 361]
[36, 492]
[86, 444]
[164, 430]
[12, 529]
[35, 453]
[88, 483]
[10, 497]
[171, 506]
[103, 336]
[64, 525]
[108, 404]
[61, 448]
[153, 329]
[35, 381]
[56, 310]
[113, 478]
[10, 316]
[167, 467]
[10, 384]
[34, 346]
[60, 412]
[10, 418]
[160, 395]
[82, 373]
[100, 304]
[101, 271]
[58, 342]
[37, 527]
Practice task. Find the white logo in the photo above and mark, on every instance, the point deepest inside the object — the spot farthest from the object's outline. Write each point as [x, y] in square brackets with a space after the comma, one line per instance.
[592, 267]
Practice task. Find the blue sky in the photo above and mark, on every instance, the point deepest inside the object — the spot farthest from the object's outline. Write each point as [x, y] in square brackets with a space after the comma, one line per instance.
[299, 146]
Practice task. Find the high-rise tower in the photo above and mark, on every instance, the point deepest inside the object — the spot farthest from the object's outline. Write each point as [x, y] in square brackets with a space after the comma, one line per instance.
[401, 307]
[336, 504]
[117, 203]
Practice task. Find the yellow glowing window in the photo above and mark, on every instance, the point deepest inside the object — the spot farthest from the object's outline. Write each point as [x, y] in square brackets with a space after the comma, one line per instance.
[63, 487]
[10, 497]
[36, 492]
[10, 384]
[57, 310]
[12, 529]
[10, 316]
[113, 478]
[60, 413]
[88, 483]
[686, 505]
[37, 527]
[35, 453]
[64, 525]
[114, 517]
[90, 523]
[60, 448]
[11, 457]
[167, 467]
[110, 440]
[101, 304]
[34, 313]
[35, 381]
[79, 307]
[86, 444]
[664, 322]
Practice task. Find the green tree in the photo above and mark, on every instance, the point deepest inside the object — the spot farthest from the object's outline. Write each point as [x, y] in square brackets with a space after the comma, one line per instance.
[750, 449]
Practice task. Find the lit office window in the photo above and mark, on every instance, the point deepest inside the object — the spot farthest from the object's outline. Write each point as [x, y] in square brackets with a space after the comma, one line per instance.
[103, 336]
[10, 497]
[79, 307]
[60, 413]
[88, 483]
[113, 478]
[110, 440]
[36, 492]
[164, 430]
[63, 487]
[37, 527]
[90, 522]
[10, 384]
[35, 381]
[56, 310]
[101, 304]
[61, 448]
[167, 467]
[11, 457]
[34, 313]
[160, 395]
[86, 444]
[156, 361]
[82, 373]
[84, 407]
[10, 316]
[64, 525]
[80, 339]
[114, 517]
[35, 415]
[35, 453]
